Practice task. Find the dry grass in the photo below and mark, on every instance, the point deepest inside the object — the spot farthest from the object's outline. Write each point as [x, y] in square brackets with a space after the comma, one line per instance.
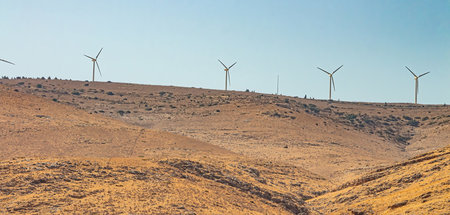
[418, 186]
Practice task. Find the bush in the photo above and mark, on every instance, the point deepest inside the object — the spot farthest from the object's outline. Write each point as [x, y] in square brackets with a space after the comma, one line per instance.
[314, 108]
[110, 93]
[39, 85]
[413, 123]
[76, 93]
[350, 117]
[406, 117]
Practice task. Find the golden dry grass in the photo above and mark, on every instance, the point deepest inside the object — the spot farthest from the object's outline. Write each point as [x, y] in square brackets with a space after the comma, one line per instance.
[418, 186]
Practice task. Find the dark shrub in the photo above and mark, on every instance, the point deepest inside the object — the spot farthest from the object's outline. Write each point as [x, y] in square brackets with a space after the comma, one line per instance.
[406, 117]
[350, 116]
[413, 123]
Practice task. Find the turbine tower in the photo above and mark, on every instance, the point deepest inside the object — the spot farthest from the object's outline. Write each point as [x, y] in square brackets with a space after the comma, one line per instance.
[227, 73]
[94, 62]
[7, 61]
[278, 83]
[416, 78]
[331, 79]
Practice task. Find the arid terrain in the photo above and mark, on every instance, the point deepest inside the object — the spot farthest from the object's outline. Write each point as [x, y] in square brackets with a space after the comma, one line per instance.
[75, 146]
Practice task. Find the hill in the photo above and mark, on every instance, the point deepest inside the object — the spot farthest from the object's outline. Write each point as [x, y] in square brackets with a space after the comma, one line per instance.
[338, 140]
[420, 185]
[59, 159]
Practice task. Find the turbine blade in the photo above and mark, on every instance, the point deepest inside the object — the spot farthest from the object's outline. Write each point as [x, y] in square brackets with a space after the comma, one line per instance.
[337, 69]
[411, 72]
[99, 53]
[332, 80]
[98, 68]
[222, 64]
[7, 61]
[90, 57]
[423, 74]
[229, 78]
[323, 70]
[232, 65]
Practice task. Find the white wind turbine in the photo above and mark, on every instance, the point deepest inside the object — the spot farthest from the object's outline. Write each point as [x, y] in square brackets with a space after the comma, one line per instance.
[416, 78]
[227, 73]
[94, 62]
[331, 78]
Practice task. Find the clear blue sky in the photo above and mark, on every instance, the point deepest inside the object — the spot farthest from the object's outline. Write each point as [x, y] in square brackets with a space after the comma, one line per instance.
[179, 42]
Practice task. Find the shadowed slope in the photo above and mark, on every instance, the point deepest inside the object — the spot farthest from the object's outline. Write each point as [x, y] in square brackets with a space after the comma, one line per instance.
[420, 185]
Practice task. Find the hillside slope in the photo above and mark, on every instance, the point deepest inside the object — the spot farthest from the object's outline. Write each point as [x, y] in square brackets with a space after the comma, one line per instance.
[338, 140]
[420, 185]
[59, 159]
[34, 126]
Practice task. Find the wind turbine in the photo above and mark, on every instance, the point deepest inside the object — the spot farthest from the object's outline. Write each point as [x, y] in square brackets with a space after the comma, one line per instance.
[94, 62]
[7, 61]
[331, 78]
[416, 78]
[227, 73]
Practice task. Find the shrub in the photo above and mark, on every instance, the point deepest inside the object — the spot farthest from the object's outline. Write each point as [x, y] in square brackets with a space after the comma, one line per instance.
[76, 93]
[110, 93]
[39, 85]
[406, 117]
[350, 116]
[314, 108]
[413, 123]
